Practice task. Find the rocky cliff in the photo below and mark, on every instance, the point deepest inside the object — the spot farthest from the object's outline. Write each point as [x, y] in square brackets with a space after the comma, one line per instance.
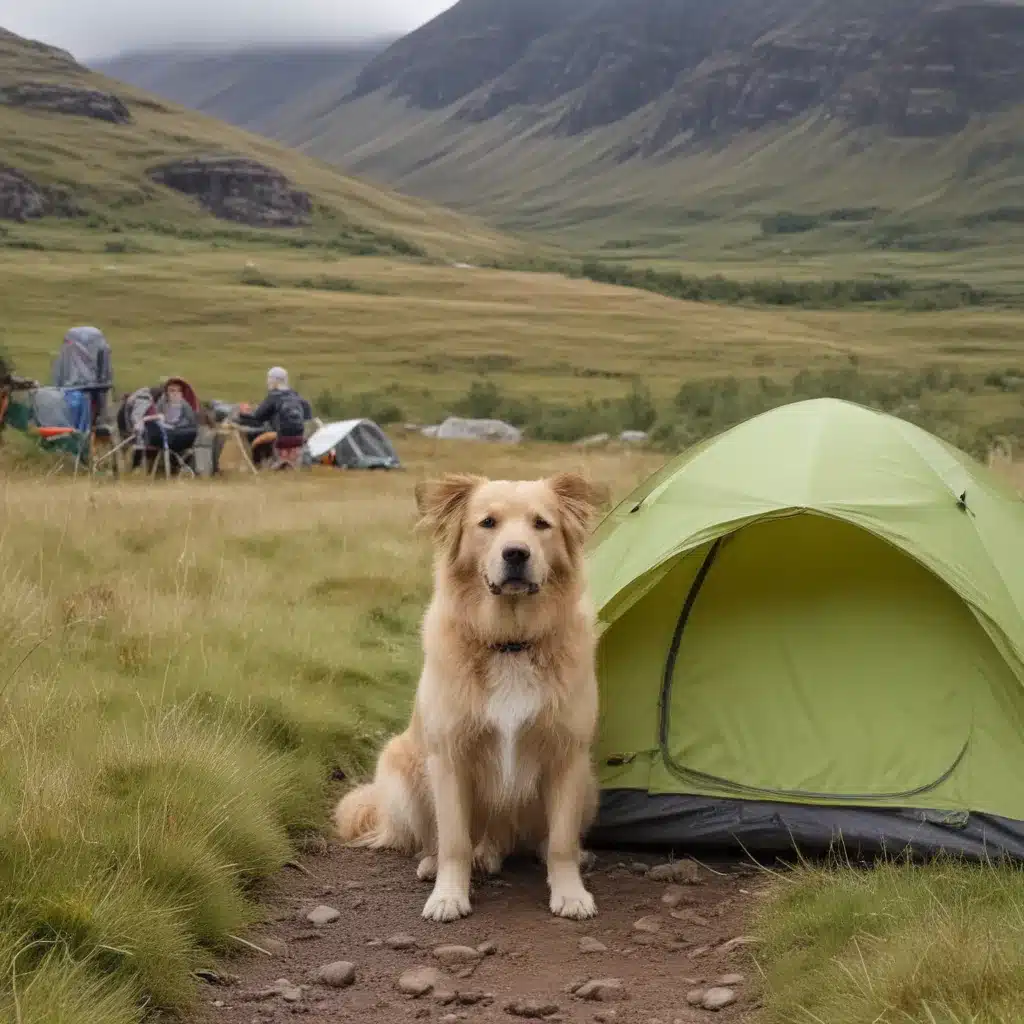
[912, 67]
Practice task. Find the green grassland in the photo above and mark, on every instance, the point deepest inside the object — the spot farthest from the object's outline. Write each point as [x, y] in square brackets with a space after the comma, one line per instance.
[409, 340]
[181, 672]
[102, 168]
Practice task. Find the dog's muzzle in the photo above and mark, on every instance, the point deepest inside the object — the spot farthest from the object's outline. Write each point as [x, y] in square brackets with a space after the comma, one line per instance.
[516, 577]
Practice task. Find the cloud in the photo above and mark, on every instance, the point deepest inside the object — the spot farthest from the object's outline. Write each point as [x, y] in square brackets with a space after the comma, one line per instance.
[102, 28]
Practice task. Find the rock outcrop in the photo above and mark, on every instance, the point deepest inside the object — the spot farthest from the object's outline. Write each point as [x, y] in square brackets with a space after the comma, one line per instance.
[21, 198]
[66, 99]
[237, 189]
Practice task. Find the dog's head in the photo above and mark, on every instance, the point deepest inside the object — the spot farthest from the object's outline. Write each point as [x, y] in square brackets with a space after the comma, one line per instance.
[513, 536]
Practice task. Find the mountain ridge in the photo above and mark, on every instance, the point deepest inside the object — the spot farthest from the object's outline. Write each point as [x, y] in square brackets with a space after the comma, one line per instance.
[599, 116]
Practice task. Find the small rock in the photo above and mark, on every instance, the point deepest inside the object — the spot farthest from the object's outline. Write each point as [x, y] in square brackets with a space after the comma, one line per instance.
[531, 1008]
[327, 890]
[340, 974]
[686, 872]
[287, 991]
[728, 980]
[638, 868]
[602, 990]
[452, 955]
[698, 952]
[488, 948]
[353, 885]
[400, 941]
[651, 925]
[674, 896]
[718, 998]
[588, 860]
[306, 937]
[592, 945]
[605, 1017]
[452, 1018]
[740, 940]
[219, 1003]
[418, 981]
[689, 916]
[443, 996]
[470, 998]
[375, 943]
[319, 916]
[695, 996]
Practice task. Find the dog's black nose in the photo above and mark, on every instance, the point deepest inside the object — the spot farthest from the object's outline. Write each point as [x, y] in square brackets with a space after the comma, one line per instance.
[516, 555]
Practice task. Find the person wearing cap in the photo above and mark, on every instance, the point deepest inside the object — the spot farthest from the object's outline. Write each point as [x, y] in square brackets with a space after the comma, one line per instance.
[286, 412]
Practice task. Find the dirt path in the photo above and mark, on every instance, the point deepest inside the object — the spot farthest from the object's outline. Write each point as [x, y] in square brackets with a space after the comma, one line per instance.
[654, 942]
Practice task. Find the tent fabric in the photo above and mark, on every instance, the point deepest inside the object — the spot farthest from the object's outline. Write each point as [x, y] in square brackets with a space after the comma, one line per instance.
[356, 444]
[84, 360]
[823, 606]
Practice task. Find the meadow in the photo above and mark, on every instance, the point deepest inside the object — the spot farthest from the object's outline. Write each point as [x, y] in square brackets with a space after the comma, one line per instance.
[187, 672]
[562, 354]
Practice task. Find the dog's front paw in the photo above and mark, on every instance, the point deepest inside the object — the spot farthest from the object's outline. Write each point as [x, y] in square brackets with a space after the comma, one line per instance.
[578, 905]
[447, 906]
[426, 870]
[487, 858]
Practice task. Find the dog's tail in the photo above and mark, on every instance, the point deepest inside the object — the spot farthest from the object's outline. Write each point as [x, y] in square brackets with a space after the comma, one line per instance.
[359, 817]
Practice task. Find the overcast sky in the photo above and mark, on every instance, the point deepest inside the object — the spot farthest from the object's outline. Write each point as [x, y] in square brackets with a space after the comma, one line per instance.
[102, 28]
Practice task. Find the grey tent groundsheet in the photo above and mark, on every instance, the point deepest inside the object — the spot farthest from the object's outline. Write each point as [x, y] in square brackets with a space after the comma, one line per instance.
[634, 818]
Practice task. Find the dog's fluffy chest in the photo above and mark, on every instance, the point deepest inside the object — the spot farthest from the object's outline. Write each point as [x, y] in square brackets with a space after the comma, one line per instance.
[513, 701]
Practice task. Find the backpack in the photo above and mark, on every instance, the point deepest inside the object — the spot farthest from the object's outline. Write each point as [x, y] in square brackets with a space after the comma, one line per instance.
[291, 415]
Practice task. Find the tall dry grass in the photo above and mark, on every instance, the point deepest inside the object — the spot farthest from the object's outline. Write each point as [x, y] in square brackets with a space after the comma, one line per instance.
[182, 667]
[901, 944]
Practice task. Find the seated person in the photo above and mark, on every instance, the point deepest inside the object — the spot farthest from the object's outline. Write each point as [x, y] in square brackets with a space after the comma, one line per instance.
[172, 415]
[286, 413]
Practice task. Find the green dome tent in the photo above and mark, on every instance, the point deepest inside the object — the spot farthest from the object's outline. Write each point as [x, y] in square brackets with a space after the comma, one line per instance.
[812, 628]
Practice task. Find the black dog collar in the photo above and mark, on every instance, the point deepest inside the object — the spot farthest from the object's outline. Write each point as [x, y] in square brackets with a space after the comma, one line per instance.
[512, 647]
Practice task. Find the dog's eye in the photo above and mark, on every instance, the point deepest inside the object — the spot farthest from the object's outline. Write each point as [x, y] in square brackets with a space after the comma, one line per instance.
[541, 524]
[489, 523]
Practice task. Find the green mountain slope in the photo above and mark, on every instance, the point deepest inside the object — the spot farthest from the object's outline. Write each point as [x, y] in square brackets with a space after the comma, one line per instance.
[674, 124]
[80, 148]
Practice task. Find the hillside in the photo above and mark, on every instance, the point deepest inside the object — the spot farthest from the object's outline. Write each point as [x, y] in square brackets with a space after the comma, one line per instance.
[83, 151]
[256, 88]
[648, 124]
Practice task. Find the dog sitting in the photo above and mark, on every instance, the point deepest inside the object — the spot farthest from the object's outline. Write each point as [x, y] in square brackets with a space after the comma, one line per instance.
[496, 756]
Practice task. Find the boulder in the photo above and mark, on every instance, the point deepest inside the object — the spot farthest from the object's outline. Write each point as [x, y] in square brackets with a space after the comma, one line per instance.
[457, 429]
[633, 437]
[237, 189]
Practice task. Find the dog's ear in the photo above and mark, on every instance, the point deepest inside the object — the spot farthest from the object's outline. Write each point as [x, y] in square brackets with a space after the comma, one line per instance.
[579, 499]
[442, 503]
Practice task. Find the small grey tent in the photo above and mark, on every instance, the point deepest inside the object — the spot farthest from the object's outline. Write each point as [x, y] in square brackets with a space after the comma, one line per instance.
[352, 444]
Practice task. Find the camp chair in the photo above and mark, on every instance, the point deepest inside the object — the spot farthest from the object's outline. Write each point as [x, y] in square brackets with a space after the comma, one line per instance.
[152, 456]
[69, 432]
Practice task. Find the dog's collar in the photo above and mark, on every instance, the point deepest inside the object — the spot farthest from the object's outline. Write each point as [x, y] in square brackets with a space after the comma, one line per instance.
[512, 647]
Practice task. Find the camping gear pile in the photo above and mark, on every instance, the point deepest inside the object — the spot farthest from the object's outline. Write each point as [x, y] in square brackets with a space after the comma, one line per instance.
[72, 418]
[812, 633]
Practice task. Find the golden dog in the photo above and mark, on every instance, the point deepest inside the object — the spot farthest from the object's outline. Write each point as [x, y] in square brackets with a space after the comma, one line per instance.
[497, 753]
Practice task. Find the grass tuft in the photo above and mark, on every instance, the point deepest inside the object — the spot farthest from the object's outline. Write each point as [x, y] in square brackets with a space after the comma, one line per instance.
[898, 944]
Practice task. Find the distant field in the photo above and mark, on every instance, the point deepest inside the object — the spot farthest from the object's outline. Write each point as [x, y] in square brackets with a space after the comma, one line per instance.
[417, 336]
